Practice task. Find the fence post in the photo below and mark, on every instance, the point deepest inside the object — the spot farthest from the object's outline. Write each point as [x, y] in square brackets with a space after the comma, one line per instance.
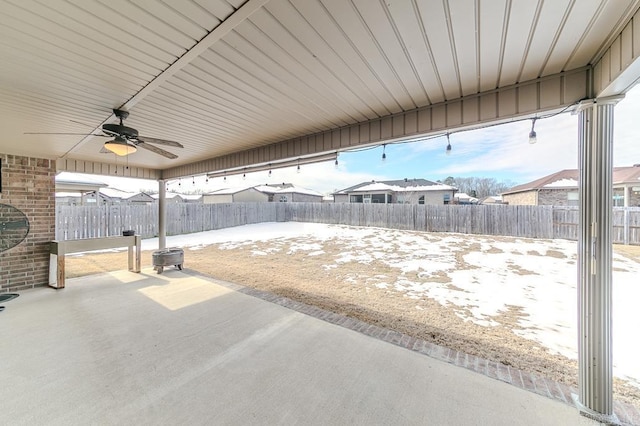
[626, 225]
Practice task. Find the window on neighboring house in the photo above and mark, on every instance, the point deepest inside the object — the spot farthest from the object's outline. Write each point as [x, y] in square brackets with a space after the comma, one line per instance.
[447, 198]
[572, 198]
[270, 198]
[378, 198]
[283, 198]
[421, 200]
[355, 199]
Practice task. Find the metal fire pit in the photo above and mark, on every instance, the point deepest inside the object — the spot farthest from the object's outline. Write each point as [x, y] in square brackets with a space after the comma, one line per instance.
[167, 257]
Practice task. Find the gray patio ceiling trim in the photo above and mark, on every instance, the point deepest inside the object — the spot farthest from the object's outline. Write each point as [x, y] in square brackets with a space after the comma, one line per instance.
[242, 82]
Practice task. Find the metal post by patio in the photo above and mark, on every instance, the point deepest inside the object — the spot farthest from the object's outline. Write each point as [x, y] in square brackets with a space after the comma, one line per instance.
[162, 214]
[595, 364]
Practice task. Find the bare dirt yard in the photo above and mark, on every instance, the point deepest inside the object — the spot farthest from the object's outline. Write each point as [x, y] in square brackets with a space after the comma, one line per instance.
[320, 275]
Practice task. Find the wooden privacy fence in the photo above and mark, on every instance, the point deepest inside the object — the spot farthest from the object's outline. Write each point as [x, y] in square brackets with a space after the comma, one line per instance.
[74, 222]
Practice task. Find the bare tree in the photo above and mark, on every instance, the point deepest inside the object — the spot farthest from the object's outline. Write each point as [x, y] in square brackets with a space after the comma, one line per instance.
[478, 187]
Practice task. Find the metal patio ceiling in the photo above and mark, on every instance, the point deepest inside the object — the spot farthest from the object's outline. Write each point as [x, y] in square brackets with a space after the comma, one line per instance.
[222, 77]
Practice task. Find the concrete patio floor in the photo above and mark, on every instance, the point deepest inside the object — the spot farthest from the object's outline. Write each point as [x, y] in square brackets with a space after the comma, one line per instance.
[179, 348]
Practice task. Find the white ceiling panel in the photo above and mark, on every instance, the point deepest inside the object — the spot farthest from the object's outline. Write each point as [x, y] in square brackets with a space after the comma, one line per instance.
[493, 17]
[463, 16]
[436, 28]
[542, 42]
[582, 15]
[517, 38]
[224, 76]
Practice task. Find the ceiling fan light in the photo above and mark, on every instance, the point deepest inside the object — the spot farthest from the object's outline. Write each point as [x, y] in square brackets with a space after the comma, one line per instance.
[120, 147]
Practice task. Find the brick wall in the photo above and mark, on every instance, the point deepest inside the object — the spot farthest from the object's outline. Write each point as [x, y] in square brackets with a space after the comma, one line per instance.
[556, 197]
[528, 198]
[28, 184]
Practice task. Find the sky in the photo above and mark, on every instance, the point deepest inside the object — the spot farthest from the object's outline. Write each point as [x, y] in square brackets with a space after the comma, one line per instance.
[501, 152]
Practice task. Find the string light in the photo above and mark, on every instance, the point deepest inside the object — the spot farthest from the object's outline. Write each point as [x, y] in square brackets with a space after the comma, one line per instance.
[384, 154]
[448, 150]
[298, 170]
[533, 137]
[193, 180]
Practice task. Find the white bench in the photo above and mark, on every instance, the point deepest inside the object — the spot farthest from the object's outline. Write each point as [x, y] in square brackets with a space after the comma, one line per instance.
[58, 250]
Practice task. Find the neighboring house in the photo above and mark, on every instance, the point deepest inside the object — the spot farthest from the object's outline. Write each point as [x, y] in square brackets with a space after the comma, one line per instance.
[174, 197]
[463, 198]
[113, 195]
[77, 189]
[407, 191]
[492, 199]
[140, 198]
[192, 198]
[235, 195]
[283, 193]
[561, 189]
[288, 193]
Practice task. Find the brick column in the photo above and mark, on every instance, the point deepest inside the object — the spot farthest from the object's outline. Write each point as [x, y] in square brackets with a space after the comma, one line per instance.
[28, 184]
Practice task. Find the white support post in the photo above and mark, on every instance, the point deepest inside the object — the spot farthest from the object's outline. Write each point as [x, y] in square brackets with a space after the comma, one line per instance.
[595, 364]
[162, 214]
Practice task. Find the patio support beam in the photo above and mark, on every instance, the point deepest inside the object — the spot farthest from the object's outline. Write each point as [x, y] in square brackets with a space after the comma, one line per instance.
[595, 364]
[162, 214]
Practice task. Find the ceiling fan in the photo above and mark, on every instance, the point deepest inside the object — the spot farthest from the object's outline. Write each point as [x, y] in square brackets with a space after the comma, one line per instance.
[126, 139]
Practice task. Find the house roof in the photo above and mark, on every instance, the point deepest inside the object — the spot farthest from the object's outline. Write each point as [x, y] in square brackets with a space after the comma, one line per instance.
[116, 193]
[462, 196]
[402, 185]
[286, 188]
[568, 178]
[168, 195]
[70, 182]
[229, 191]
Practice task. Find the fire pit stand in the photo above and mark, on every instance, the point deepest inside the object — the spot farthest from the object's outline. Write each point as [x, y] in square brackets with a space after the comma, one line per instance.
[167, 257]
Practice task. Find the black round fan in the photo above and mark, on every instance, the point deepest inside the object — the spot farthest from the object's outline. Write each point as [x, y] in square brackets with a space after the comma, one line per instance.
[14, 227]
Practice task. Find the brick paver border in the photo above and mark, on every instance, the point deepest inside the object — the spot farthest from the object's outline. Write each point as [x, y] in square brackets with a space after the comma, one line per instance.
[626, 413]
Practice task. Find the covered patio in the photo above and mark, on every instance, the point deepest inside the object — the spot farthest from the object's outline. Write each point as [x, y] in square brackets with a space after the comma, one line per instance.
[184, 349]
[222, 86]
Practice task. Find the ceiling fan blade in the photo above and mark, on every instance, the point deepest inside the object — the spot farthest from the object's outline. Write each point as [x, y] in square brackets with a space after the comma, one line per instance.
[157, 150]
[159, 141]
[70, 134]
[84, 124]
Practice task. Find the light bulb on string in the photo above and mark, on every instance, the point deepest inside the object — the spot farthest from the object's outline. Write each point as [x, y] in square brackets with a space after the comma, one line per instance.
[448, 150]
[384, 154]
[533, 137]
